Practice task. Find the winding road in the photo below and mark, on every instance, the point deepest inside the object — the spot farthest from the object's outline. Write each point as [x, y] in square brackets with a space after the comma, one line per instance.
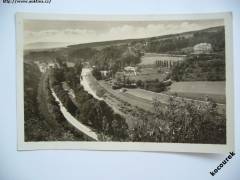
[81, 127]
[85, 83]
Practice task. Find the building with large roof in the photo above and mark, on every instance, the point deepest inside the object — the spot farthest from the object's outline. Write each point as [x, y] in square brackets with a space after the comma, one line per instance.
[202, 48]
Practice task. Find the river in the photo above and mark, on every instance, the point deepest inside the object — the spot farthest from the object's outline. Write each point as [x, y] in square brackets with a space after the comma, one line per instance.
[86, 83]
[81, 127]
[88, 86]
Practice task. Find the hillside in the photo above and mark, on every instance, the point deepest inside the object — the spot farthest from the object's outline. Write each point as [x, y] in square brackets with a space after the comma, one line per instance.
[45, 45]
[181, 43]
[211, 35]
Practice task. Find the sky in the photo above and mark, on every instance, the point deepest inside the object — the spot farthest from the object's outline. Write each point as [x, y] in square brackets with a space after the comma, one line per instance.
[78, 32]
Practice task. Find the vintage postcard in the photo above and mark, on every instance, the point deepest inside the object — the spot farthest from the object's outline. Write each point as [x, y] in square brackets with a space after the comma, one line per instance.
[119, 82]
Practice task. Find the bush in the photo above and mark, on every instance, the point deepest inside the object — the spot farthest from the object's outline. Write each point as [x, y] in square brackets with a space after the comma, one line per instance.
[139, 83]
[154, 85]
[181, 122]
[97, 74]
[192, 122]
[200, 68]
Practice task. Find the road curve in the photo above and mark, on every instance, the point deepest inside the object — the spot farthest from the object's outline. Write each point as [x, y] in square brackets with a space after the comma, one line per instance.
[81, 127]
[84, 82]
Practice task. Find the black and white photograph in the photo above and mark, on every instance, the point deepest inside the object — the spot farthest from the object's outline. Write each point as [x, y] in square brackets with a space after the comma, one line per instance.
[146, 83]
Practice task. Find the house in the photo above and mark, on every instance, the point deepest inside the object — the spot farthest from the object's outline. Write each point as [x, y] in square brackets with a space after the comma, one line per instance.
[104, 73]
[130, 70]
[51, 65]
[202, 48]
[70, 64]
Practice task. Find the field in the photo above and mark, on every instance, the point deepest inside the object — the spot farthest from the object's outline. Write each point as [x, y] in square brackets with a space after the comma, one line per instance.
[164, 97]
[147, 95]
[200, 90]
[150, 58]
[149, 73]
[207, 87]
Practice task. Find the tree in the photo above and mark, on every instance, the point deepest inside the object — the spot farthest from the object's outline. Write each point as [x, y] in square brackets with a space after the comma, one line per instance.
[193, 122]
[97, 74]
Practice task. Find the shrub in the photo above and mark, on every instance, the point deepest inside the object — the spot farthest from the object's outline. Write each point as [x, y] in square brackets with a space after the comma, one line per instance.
[181, 122]
[97, 74]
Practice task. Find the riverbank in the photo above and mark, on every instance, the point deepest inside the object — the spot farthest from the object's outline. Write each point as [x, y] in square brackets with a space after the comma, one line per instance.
[87, 84]
[78, 125]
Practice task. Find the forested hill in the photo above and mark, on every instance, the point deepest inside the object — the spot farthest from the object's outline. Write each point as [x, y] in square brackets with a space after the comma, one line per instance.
[175, 43]
[181, 43]
[214, 35]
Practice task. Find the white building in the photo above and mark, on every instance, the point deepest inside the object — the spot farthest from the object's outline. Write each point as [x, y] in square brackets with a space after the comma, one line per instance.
[202, 48]
[51, 65]
[104, 73]
[130, 69]
[70, 64]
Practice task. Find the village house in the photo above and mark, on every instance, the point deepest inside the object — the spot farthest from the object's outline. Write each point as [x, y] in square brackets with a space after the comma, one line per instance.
[130, 70]
[104, 73]
[202, 48]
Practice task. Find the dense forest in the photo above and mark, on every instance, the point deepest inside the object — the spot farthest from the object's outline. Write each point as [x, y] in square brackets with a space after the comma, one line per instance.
[179, 42]
[84, 54]
[200, 68]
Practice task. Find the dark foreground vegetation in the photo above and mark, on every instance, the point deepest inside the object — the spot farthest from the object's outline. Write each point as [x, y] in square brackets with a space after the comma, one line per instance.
[201, 68]
[182, 122]
[154, 85]
[43, 120]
